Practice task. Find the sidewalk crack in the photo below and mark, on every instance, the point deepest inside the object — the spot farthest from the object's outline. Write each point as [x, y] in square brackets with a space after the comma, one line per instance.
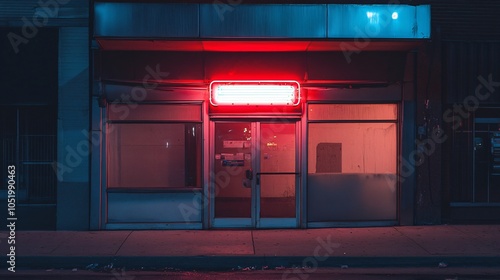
[474, 236]
[253, 242]
[121, 245]
[58, 245]
[414, 242]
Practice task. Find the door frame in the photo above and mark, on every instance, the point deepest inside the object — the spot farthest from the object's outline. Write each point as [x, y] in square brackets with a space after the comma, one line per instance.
[255, 221]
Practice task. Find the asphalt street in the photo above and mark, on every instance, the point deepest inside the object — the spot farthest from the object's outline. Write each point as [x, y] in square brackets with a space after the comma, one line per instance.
[269, 274]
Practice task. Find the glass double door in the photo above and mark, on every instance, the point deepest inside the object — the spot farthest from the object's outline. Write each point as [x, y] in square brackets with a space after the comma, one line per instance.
[255, 174]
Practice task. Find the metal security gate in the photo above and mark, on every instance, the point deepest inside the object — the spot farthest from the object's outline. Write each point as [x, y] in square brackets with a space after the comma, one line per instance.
[28, 141]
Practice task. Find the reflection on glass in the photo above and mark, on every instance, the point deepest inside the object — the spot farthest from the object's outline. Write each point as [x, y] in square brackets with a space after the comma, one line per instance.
[232, 159]
[277, 156]
[277, 196]
[360, 147]
[154, 155]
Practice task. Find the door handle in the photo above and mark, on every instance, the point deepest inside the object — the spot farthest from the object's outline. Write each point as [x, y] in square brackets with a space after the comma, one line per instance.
[247, 182]
[249, 174]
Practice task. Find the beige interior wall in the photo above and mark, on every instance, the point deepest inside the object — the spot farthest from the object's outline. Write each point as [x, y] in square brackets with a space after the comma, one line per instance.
[146, 155]
[277, 155]
[366, 147]
[229, 180]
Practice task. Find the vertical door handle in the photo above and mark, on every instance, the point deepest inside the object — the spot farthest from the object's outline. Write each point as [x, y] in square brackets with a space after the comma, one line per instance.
[249, 174]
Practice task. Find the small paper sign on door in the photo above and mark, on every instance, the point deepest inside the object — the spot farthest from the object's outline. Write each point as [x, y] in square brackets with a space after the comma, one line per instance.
[236, 144]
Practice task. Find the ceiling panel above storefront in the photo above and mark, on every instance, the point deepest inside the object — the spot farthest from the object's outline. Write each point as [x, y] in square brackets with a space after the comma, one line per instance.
[269, 21]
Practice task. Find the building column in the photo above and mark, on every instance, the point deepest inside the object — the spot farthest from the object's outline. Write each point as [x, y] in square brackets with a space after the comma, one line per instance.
[73, 126]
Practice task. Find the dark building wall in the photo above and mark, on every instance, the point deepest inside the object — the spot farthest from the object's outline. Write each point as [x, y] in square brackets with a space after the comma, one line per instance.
[465, 45]
[470, 92]
[466, 20]
[31, 59]
[465, 48]
[28, 104]
[28, 75]
[428, 128]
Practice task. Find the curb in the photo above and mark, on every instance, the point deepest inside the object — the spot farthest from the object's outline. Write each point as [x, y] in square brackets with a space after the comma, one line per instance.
[235, 262]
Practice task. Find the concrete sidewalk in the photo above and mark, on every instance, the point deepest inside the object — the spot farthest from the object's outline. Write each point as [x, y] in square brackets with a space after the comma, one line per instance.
[409, 246]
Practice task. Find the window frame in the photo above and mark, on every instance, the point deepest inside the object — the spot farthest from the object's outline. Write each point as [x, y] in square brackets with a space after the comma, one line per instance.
[146, 120]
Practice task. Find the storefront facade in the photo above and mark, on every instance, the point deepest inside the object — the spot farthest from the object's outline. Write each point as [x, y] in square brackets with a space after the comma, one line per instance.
[234, 123]
[226, 114]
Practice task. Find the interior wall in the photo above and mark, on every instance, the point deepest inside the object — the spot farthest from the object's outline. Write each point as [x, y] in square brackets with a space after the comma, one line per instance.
[352, 166]
[366, 147]
[135, 151]
[232, 160]
[277, 148]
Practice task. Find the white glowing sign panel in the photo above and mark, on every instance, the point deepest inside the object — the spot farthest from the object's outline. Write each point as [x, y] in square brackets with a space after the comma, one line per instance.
[282, 93]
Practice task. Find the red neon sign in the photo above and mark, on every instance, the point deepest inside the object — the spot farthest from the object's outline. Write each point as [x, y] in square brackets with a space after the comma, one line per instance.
[283, 93]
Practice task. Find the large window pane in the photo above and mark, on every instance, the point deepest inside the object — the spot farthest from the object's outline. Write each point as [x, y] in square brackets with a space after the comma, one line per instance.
[277, 156]
[352, 148]
[233, 150]
[352, 166]
[154, 155]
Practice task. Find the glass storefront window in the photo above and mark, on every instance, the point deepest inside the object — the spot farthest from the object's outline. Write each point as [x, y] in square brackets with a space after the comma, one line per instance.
[352, 162]
[352, 148]
[352, 138]
[154, 155]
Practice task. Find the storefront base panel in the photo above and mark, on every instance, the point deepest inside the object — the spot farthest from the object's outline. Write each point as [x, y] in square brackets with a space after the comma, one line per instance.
[152, 208]
[152, 226]
[351, 197]
[351, 224]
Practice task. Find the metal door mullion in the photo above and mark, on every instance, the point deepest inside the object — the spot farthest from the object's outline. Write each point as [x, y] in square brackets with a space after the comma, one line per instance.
[298, 175]
[211, 168]
[256, 167]
[473, 161]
